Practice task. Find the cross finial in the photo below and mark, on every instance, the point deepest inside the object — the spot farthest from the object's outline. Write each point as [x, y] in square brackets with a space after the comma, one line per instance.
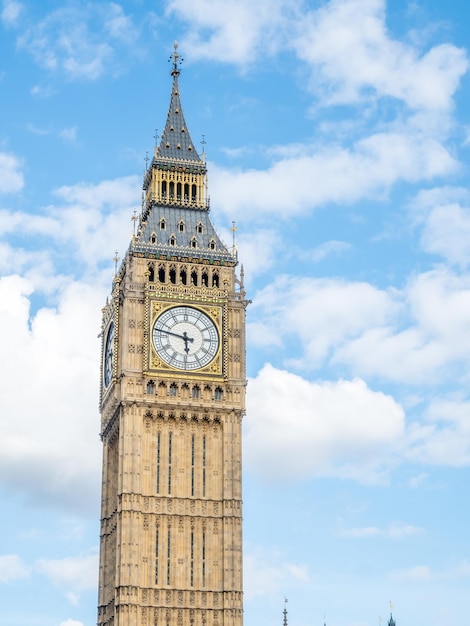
[134, 218]
[177, 60]
[116, 261]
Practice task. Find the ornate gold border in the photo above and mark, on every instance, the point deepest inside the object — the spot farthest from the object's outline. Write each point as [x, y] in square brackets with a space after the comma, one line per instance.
[152, 362]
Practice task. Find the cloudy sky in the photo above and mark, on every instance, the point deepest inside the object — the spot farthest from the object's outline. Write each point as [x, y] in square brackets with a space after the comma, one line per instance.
[338, 138]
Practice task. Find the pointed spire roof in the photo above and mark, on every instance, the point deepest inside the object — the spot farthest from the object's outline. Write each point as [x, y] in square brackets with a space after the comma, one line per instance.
[176, 142]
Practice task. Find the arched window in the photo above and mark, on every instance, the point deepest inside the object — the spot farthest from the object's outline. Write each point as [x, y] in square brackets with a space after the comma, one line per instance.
[162, 224]
[193, 193]
[153, 238]
[186, 192]
[172, 240]
[200, 228]
[193, 278]
[183, 277]
[164, 189]
[205, 279]
[173, 276]
[173, 389]
[194, 242]
[195, 392]
[215, 279]
[172, 189]
[178, 191]
[181, 226]
[218, 393]
[161, 274]
[212, 244]
[150, 387]
[151, 273]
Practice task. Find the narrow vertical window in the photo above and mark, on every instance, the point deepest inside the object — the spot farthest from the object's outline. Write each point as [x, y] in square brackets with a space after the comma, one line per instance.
[191, 561]
[203, 559]
[170, 441]
[158, 462]
[204, 466]
[168, 570]
[192, 463]
[156, 557]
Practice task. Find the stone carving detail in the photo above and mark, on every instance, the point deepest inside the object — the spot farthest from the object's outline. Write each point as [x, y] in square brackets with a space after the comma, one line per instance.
[131, 323]
[131, 348]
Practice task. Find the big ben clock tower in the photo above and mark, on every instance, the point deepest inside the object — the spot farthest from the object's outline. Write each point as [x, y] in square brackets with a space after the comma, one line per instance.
[172, 400]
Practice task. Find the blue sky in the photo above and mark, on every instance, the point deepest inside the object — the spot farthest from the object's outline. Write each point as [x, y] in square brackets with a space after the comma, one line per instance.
[338, 138]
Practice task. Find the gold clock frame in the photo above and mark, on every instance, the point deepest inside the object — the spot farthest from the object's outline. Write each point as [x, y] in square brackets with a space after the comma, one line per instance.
[153, 363]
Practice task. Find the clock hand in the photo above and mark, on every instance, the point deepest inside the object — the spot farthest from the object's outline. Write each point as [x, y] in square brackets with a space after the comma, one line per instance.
[184, 336]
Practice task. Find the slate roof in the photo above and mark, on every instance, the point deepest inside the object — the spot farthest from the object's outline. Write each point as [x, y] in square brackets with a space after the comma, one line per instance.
[197, 239]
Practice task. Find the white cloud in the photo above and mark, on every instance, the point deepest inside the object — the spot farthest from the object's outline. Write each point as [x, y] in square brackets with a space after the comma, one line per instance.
[85, 221]
[80, 572]
[11, 12]
[241, 34]
[444, 438]
[298, 184]
[49, 445]
[396, 530]
[324, 250]
[12, 568]
[300, 428]
[345, 34]
[81, 42]
[266, 573]
[436, 336]
[444, 214]
[11, 179]
[69, 134]
[322, 313]
[419, 572]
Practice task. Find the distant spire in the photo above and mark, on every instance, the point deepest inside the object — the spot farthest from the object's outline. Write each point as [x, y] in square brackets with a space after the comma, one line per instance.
[177, 60]
[285, 612]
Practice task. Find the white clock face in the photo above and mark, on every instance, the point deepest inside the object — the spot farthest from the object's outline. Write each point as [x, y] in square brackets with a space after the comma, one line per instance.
[185, 338]
[108, 356]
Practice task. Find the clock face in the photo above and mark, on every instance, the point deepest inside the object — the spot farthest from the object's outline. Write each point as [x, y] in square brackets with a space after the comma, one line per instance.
[185, 338]
[108, 356]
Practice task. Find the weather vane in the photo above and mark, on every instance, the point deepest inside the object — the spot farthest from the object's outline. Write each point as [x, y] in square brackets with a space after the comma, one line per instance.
[177, 60]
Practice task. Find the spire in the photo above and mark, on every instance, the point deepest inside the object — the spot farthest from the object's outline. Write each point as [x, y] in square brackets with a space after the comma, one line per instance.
[285, 612]
[176, 143]
[174, 221]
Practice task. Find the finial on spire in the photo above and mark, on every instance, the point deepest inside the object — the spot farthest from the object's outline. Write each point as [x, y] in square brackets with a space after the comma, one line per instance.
[285, 611]
[116, 261]
[177, 60]
[134, 218]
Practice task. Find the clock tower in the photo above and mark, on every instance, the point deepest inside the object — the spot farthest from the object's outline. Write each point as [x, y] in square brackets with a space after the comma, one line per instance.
[172, 400]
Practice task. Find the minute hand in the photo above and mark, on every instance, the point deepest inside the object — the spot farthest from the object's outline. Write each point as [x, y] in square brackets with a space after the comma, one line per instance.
[184, 336]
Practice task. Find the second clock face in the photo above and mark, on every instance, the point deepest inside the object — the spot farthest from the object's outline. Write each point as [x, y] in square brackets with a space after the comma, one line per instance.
[185, 338]
[108, 356]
